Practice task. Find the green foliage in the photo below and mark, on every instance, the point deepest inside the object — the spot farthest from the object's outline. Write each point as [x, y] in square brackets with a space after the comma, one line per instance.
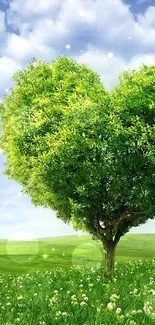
[78, 149]
[134, 144]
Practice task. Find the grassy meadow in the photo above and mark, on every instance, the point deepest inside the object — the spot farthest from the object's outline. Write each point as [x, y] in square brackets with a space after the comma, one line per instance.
[60, 280]
[46, 253]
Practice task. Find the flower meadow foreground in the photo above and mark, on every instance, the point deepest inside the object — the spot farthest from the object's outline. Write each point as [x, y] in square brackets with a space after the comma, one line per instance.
[80, 296]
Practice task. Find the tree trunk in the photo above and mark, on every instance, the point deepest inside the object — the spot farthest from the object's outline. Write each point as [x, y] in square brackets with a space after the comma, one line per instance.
[109, 249]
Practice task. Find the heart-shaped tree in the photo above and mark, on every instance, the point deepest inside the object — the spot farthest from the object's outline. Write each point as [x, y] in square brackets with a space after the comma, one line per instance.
[85, 152]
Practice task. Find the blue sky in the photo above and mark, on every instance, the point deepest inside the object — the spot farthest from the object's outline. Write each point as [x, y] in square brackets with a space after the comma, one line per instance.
[109, 36]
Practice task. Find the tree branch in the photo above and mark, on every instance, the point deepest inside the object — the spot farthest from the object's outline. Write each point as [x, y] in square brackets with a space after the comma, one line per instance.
[114, 229]
[132, 214]
[117, 236]
[99, 229]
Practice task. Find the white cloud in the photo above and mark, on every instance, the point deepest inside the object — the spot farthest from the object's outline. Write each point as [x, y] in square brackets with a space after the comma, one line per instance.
[99, 62]
[137, 60]
[31, 11]
[8, 67]
[148, 19]
[22, 50]
[19, 195]
[102, 23]
[56, 35]
[77, 12]
[110, 69]
[18, 47]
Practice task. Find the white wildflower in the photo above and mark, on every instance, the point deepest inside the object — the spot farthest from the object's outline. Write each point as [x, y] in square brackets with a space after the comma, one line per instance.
[83, 303]
[110, 305]
[64, 313]
[20, 298]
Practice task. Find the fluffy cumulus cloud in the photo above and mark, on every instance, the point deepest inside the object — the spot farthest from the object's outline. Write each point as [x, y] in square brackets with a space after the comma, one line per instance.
[8, 67]
[107, 23]
[32, 11]
[104, 35]
[22, 49]
[56, 36]
[107, 66]
[81, 29]
[148, 19]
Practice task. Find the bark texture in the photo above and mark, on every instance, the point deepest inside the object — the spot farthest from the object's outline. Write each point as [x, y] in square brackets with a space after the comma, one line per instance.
[109, 264]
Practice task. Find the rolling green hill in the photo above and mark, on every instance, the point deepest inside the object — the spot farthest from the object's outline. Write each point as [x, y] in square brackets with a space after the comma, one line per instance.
[46, 253]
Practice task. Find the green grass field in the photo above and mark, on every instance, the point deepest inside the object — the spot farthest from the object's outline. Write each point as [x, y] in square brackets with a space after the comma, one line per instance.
[59, 281]
[24, 256]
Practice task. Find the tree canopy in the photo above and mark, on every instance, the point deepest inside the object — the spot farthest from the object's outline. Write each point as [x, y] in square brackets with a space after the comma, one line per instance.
[81, 150]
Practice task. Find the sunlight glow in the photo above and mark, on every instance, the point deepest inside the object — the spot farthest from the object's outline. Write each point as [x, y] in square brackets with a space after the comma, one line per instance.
[23, 235]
